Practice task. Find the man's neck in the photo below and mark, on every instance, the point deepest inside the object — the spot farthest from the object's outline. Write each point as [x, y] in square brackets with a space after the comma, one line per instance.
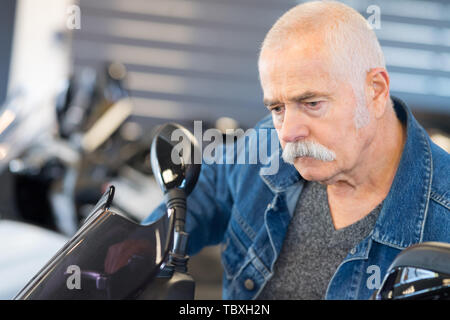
[358, 192]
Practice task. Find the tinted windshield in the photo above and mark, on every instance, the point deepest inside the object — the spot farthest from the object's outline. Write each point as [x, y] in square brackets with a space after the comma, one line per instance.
[110, 257]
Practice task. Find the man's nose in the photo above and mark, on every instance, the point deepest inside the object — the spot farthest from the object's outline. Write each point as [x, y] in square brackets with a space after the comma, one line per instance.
[294, 126]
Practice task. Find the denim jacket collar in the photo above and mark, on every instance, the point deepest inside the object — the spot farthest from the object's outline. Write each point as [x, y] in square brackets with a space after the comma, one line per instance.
[286, 176]
[402, 218]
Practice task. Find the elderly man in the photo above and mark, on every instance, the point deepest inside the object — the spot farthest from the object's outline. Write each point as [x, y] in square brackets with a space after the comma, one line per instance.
[359, 178]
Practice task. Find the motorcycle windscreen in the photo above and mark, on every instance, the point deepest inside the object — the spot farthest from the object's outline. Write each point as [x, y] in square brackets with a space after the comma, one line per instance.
[110, 257]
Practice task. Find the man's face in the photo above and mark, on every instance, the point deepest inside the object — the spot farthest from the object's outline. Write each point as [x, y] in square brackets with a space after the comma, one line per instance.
[310, 104]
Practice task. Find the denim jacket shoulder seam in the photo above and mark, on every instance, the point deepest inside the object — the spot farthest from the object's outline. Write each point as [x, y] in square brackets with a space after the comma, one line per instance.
[390, 244]
[430, 178]
[440, 199]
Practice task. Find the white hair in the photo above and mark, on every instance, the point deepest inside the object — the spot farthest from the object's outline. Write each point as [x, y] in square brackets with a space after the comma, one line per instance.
[350, 41]
[293, 150]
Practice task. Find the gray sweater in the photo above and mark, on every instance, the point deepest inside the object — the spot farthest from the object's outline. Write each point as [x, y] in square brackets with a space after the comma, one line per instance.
[313, 249]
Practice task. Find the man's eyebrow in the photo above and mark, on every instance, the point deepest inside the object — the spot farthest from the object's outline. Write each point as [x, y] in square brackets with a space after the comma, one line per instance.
[300, 98]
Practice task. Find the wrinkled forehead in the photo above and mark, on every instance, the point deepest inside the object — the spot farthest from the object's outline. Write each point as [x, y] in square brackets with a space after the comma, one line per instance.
[282, 72]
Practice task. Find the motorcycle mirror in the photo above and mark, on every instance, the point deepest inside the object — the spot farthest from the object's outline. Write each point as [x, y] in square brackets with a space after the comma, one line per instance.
[421, 272]
[175, 158]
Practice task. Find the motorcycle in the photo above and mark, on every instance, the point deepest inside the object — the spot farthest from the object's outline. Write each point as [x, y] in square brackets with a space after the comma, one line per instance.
[420, 272]
[113, 257]
[57, 158]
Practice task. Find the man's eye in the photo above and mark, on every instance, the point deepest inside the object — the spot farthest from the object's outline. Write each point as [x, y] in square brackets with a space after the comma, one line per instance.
[276, 109]
[313, 104]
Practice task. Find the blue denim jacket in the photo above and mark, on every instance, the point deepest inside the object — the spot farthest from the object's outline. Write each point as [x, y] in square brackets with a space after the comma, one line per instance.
[249, 213]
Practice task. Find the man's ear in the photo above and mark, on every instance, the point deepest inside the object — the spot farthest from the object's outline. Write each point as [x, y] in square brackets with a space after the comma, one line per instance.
[377, 90]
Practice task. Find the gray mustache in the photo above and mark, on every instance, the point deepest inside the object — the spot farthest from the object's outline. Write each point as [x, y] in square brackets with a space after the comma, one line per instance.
[293, 150]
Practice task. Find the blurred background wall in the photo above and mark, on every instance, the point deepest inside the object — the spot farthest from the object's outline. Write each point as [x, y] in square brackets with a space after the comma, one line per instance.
[197, 60]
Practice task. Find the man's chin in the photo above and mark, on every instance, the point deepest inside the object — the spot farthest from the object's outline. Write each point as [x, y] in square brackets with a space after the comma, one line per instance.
[312, 169]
